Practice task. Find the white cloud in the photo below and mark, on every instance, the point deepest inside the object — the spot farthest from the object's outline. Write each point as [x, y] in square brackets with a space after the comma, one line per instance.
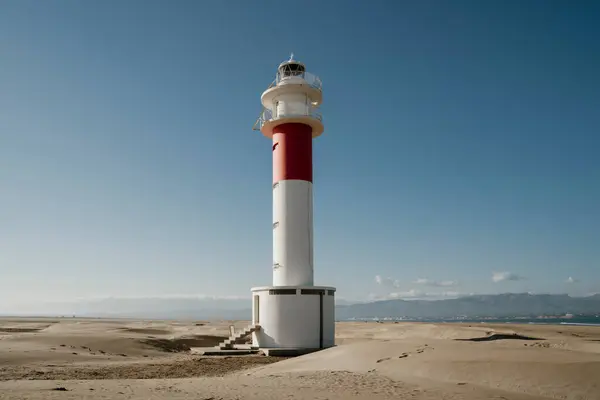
[415, 294]
[408, 294]
[506, 276]
[392, 286]
[571, 280]
[428, 282]
[374, 296]
[388, 282]
[395, 283]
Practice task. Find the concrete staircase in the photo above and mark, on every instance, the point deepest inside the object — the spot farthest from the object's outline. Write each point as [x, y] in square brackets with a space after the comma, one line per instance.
[237, 337]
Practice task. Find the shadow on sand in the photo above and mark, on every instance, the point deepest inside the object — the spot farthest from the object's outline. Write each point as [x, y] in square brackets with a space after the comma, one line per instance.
[500, 336]
[184, 343]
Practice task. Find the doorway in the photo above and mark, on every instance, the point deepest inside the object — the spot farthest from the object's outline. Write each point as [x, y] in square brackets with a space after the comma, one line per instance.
[256, 309]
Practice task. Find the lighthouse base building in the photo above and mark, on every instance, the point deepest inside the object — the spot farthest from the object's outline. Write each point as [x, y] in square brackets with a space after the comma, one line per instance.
[295, 317]
[292, 313]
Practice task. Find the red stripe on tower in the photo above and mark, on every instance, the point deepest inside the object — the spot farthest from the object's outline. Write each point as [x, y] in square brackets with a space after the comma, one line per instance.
[292, 152]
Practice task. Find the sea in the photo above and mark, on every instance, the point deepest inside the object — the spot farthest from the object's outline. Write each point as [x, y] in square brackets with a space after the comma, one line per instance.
[575, 320]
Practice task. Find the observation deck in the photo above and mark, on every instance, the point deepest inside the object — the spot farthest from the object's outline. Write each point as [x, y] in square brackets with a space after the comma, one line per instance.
[293, 97]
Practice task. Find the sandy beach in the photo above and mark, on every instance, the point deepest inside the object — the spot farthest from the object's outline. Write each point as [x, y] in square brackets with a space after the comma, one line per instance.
[71, 358]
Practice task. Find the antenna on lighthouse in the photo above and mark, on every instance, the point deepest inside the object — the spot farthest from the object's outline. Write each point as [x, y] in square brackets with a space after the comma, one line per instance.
[291, 57]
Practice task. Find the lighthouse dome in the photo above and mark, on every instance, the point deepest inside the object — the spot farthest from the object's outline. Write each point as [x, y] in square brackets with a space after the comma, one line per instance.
[291, 68]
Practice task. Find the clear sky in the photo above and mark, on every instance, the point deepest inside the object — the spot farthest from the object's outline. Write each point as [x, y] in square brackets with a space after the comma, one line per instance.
[461, 151]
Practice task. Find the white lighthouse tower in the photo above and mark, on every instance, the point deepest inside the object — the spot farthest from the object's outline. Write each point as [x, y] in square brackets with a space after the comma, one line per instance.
[292, 313]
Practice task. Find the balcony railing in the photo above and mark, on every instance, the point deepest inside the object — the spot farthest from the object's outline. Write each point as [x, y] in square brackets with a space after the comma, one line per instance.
[310, 79]
[267, 115]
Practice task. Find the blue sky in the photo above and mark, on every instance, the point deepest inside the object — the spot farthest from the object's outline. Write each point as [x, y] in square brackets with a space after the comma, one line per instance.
[461, 141]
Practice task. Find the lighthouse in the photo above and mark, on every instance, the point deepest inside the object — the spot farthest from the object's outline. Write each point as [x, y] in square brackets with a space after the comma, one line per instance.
[292, 313]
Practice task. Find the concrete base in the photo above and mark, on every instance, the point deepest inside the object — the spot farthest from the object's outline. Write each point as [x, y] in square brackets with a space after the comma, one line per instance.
[245, 347]
[213, 351]
[274, 352]
[283, 352]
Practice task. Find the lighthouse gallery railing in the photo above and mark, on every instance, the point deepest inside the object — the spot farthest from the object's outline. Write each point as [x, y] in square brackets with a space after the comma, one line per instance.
[312, 80]
[267, 115]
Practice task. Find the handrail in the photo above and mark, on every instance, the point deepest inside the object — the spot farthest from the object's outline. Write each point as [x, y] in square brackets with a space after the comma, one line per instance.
[259, 121]
[267, 115]
[311, 79]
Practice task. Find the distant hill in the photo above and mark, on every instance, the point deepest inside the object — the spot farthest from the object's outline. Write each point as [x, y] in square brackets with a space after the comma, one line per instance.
[500, 305]
[146, 307]
[169, 308]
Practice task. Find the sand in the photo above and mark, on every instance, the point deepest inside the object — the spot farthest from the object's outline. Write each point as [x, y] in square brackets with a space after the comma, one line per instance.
[71, 358]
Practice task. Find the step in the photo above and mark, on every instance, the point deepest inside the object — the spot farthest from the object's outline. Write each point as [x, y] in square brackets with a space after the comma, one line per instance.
[222, 352]
[228, 343]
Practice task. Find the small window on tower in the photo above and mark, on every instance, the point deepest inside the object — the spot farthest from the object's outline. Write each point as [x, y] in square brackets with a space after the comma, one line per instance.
[282, 291]
[312, 291]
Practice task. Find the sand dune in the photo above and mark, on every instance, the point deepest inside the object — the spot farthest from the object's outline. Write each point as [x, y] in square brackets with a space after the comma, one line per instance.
[149, 359]
[515, 365]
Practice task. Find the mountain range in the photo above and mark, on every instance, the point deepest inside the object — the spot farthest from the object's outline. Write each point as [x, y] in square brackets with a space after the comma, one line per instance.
[499, 305]
[476, 306]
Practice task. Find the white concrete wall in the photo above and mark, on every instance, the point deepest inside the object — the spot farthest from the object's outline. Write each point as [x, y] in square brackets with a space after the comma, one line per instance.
[328, 321]
[291, 104]
[293, 233]
[293, 321]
